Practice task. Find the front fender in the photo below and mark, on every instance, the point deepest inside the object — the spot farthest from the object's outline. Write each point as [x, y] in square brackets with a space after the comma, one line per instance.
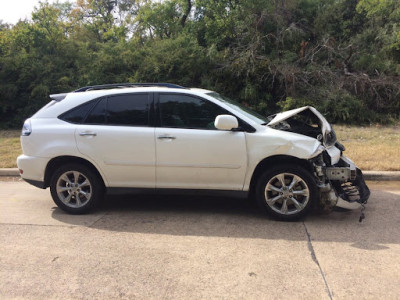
[271, 142]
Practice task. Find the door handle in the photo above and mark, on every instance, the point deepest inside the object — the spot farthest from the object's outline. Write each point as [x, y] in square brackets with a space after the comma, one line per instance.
[87, 133]
[166, 137]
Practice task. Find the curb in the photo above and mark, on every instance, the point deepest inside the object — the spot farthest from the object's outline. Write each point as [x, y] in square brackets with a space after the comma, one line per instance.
[368, 175]
[9, 172]
[382, 175]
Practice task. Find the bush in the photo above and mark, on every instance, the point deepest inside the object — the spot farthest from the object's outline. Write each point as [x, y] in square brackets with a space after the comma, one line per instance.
[340, 107]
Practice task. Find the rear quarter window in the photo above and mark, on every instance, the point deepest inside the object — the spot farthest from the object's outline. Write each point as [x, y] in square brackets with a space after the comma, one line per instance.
[77, 114]
[97, 115]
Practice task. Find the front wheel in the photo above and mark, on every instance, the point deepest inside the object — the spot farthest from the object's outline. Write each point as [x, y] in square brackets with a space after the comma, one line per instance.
[286, 192]
[75, 188]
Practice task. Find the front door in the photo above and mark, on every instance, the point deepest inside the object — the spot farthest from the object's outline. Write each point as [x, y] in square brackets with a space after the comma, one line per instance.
[191, 153]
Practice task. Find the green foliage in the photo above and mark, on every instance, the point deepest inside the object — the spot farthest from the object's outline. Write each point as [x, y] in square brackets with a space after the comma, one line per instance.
[341, 56]
[160, 19]
[337, 108]
[383, 32]
[342, 107]
[339, 19]
[292, 103]
[162, 61]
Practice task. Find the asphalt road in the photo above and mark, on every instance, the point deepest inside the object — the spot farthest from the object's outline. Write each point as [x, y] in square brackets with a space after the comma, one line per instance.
[195, 248]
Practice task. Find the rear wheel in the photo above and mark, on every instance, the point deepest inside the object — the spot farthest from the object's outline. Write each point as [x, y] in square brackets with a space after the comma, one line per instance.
[286, 192]
[75, 188]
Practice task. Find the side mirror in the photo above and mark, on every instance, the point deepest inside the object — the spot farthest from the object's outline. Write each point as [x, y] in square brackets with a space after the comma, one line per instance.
[226, 122]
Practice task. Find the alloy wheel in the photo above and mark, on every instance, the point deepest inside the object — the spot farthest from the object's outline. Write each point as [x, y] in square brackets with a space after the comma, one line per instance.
[74, 189]
[287, 194]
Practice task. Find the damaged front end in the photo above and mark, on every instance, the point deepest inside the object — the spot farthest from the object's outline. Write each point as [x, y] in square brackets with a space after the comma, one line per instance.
[341, 185]
[340, 182]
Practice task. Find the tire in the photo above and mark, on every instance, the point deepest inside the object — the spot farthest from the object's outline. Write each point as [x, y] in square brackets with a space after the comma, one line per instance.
[286, 192]
[76, 189]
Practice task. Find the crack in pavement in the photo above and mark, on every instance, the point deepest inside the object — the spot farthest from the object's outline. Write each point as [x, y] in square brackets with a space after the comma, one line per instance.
[95, 222]
[315, 259]
[58, 225]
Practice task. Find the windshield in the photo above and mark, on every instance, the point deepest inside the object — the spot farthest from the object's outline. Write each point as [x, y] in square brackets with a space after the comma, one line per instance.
[241, 108]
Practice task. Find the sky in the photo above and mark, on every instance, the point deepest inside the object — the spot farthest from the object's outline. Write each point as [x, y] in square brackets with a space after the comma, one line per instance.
[13, 10]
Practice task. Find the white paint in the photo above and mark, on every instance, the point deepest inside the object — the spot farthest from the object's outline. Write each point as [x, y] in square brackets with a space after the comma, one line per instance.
[163, 157]
[201, 159]
[115, 144]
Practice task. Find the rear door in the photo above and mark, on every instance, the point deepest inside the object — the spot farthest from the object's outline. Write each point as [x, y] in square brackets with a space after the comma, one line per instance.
[118, 136]
[191, 153]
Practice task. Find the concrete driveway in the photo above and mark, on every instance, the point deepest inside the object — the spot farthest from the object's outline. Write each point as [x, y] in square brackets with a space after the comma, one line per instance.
[195, 248]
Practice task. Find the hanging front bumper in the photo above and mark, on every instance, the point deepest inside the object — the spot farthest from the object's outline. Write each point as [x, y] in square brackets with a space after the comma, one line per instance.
[346, 187]
[352, 194]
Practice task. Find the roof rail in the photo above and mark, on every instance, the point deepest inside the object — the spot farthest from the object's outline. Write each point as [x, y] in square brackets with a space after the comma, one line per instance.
[123, 85]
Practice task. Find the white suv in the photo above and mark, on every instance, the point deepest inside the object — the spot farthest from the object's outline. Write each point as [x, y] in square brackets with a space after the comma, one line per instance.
[140, 137]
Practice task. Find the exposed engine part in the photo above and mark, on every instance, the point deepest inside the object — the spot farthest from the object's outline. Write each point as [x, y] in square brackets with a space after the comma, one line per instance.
[341, 185]
[319, 171]
[328, 197]
[341, 174]
[304, 122]
[353, 191]
[344, 170]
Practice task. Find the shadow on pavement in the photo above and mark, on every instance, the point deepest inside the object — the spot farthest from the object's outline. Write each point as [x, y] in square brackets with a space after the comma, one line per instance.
[240, 218]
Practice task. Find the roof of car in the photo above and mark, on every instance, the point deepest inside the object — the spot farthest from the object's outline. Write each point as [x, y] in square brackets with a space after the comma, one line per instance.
[126, 87]
[201, 90]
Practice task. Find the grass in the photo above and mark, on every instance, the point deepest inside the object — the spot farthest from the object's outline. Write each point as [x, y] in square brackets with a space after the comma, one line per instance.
[371, 147]
[10, 148]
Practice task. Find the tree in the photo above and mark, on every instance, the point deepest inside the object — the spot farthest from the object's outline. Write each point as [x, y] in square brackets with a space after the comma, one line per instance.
[341, 56]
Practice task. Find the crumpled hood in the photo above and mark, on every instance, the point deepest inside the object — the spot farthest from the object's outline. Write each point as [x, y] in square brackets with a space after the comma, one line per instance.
[326, 128]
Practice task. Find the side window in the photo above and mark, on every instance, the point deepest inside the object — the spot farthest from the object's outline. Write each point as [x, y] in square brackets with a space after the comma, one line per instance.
[77, 114]
[98, 113]
[128, 110]
[123, 110]
[182, 111]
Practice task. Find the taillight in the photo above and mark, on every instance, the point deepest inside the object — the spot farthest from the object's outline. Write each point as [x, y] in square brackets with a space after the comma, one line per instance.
[27, 128]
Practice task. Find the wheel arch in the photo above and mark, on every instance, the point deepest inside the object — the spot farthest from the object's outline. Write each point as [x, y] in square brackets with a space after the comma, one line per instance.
[273, 161]
[56, 162]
